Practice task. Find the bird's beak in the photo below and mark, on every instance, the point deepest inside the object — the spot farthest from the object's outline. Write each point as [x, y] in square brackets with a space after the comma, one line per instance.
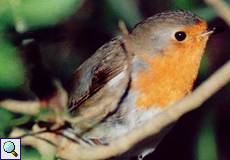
[214, 30]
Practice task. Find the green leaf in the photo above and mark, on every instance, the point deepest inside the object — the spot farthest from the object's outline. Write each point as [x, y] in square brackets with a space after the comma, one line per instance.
[36, 13]
[19, 121]
[11, 67]
[5, 118]
[46, 12]
[6, 16]
[29, 153]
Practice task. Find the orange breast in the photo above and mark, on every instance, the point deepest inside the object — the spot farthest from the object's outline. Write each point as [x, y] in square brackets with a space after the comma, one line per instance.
[169, 77]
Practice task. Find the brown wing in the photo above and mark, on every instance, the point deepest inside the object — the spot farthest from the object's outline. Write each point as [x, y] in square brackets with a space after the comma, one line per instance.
[92, 75]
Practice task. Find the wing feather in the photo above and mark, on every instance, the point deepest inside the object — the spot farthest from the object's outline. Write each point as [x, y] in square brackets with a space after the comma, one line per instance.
[94, 73]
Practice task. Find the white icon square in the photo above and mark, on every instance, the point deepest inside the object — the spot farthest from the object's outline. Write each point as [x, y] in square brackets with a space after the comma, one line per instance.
[10, 148]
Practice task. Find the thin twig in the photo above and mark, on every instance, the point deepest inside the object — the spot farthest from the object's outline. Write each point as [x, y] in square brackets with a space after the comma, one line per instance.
[57, 102]
[25, 107]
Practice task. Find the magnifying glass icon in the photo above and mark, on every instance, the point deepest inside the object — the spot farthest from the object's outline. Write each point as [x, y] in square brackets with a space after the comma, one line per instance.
[9, 147]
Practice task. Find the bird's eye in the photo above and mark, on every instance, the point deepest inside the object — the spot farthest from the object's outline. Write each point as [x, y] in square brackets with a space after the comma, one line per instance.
[180, 36]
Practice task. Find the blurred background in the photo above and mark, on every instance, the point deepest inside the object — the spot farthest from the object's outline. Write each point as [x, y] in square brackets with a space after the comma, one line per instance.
[69, 31]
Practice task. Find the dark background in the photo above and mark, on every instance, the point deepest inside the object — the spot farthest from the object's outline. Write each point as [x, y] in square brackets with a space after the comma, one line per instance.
[68, 32]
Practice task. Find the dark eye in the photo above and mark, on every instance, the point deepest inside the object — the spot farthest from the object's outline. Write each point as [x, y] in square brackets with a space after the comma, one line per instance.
[180, 36]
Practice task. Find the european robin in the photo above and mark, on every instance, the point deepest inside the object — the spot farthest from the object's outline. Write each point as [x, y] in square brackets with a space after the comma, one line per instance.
[166, 52]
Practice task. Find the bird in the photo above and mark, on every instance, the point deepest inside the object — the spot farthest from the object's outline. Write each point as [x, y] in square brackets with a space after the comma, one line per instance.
[167, 49]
